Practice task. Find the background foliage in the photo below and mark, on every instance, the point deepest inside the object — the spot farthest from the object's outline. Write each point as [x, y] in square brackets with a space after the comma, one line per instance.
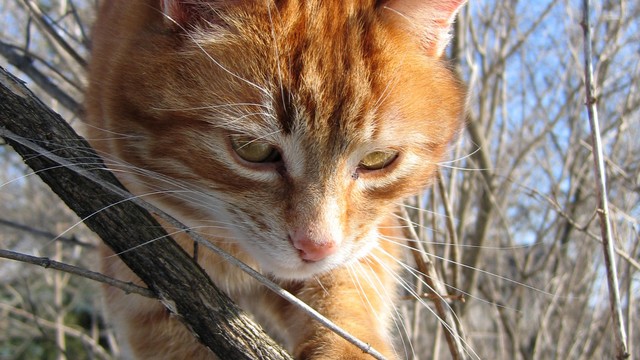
[525, 250]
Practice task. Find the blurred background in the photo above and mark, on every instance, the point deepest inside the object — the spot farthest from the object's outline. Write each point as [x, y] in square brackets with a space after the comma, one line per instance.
[511, 231]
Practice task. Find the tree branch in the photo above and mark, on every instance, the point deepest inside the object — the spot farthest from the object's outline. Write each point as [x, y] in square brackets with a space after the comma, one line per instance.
[92, 275]
[601, 190]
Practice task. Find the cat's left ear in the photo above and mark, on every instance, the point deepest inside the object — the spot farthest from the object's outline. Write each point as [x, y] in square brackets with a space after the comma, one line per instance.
[429, 19]
[177, 12]
[184, 14]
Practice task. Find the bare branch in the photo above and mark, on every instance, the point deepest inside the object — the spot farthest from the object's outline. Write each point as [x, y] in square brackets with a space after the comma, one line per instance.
[45, 234]
[56, 265]
[601, 190]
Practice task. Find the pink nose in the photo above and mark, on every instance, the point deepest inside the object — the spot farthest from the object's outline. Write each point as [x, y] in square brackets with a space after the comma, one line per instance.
[311, 250]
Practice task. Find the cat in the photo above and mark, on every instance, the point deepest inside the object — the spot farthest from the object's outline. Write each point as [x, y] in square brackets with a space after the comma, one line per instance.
[287, 133]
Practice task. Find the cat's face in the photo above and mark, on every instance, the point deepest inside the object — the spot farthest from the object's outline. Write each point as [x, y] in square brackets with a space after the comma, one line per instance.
[290, 129]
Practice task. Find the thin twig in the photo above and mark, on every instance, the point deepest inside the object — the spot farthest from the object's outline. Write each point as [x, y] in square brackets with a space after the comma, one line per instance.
[46, 234]
[601, 190]
[451, 229]
[583, 228]
[56, 265]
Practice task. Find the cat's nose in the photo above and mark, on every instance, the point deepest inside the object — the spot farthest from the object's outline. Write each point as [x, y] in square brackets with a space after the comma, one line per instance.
[313, 250]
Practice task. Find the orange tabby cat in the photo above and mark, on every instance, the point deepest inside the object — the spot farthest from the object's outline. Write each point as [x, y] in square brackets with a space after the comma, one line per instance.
[286, 132]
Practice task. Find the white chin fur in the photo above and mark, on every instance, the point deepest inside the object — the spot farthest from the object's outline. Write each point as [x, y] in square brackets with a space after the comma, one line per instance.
[302, 271]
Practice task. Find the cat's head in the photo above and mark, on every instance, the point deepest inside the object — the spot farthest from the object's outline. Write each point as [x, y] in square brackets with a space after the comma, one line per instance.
[290, 127]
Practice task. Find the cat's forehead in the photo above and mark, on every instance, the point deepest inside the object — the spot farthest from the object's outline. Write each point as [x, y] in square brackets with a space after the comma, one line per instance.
[326, 71]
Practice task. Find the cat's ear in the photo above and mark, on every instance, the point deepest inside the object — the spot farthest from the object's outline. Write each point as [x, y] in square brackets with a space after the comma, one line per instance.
[178, 12]
[429, 19]
[184, 14]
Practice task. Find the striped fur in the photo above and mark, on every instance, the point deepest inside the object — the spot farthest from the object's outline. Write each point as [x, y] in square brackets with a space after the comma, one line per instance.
[325, 83]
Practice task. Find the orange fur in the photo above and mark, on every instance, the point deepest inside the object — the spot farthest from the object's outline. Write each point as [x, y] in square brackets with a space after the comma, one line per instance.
[324, 83]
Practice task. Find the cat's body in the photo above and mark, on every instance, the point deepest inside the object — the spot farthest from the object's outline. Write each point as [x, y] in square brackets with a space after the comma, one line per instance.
[285, 132]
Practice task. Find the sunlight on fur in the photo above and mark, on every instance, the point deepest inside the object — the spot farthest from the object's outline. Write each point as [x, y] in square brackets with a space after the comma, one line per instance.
[285, 133]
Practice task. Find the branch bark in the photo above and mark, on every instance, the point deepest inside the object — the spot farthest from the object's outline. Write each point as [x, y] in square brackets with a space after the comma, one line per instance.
[179, 283]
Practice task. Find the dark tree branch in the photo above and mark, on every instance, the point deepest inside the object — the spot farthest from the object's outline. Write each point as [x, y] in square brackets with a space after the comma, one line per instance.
[179, 283]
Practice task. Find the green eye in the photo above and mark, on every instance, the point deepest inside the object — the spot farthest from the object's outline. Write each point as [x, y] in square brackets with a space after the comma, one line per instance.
[254, 150]
[377, 160]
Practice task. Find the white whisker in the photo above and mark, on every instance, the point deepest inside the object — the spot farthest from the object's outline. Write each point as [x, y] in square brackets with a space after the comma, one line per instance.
[500, 277]
[402, 242]
[376, 285]
[409, 288]
[442, 163]
[211, 107]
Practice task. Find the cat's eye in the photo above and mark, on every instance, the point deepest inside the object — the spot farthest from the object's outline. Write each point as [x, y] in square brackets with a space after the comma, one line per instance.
[254, 150]
[377, 160]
